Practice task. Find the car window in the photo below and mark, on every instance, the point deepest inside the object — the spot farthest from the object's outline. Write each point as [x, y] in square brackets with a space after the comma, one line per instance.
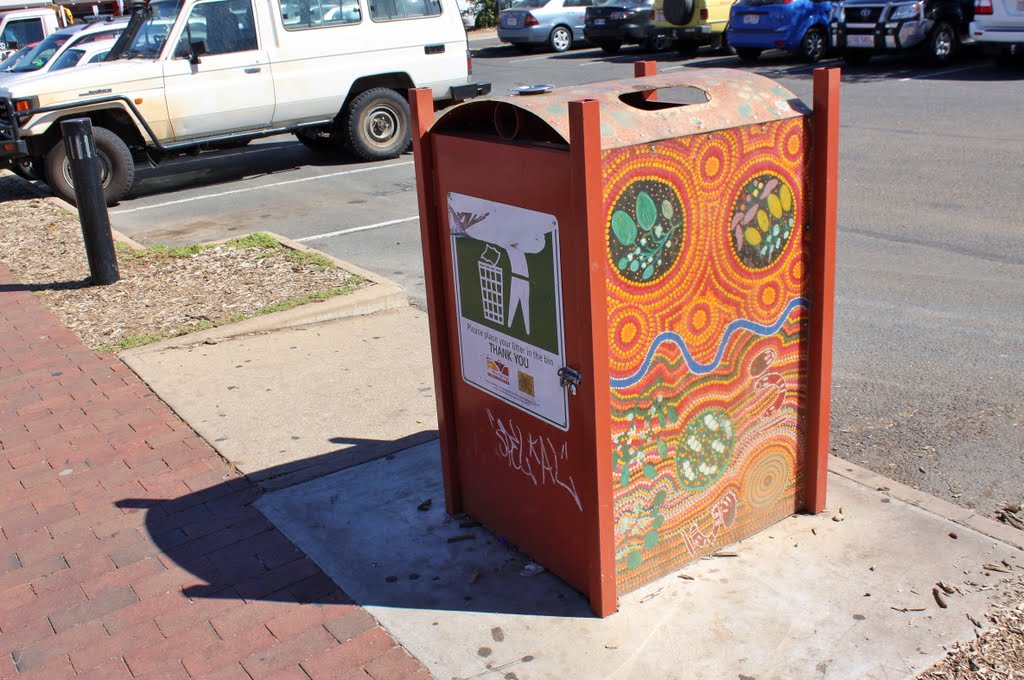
[221, 27]
[70, 58]
[97, 36]
[530, 4]
[99, 56]
[392, 10]
[578, 3]
[22, 32]
[10, 61]
[42, 53]
[302, 14]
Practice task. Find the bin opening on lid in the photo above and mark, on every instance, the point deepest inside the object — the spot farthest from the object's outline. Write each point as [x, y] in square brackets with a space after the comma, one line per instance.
[667, 98]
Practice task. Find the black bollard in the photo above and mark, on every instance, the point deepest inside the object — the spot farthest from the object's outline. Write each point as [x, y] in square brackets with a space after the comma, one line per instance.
[92, 206]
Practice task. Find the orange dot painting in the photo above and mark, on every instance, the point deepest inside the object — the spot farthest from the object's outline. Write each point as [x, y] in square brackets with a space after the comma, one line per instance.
[708, 340]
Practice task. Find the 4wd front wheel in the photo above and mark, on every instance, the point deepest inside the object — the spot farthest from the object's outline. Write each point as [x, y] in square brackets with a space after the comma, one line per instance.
[942, 44]
[117, 168]
[377, 125]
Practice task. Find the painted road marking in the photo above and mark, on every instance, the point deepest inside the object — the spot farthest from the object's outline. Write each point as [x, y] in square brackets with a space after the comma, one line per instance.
[342, 232]
[924, 76]
[258, 188]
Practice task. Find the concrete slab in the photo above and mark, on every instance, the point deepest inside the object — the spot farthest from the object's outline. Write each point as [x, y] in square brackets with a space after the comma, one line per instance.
[845, 594]
[297, 403]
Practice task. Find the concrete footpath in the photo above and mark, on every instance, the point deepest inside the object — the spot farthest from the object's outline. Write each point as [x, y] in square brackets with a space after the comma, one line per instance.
[131, 550]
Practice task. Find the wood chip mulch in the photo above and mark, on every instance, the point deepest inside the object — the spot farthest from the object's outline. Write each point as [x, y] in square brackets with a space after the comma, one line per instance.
[41, 243]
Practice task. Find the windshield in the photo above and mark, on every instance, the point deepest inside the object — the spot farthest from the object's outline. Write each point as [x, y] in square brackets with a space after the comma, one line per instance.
[14, 58]
[43, 52]
[147, 31]
[70, 58]
[625, 3]
[529, 4]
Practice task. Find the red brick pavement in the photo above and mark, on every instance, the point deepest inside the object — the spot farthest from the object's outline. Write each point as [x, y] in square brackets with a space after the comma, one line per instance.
[130, 550]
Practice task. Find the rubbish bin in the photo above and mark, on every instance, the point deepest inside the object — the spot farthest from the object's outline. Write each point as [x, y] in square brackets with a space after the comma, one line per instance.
[630, 315]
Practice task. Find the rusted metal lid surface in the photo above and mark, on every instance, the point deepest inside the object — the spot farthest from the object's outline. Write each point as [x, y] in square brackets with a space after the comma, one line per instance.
[734, 98]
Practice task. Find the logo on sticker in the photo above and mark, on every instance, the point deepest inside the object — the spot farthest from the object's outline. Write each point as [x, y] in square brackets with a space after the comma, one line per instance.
[497, 371]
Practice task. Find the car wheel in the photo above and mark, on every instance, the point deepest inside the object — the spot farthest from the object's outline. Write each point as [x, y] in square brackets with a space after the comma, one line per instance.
[748, 53]
[318, 139]
[610, 47]
[942, 45]
[856, 56]
[377, 125]
[687, 49]
[678, 12]
[560, 39]
[813, 45]
[117, 168]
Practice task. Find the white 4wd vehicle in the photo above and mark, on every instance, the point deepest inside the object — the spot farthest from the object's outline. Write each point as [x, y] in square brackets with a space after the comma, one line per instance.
[190, 75]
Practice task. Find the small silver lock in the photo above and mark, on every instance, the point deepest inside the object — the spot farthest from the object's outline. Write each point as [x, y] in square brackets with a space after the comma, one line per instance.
[569, 378]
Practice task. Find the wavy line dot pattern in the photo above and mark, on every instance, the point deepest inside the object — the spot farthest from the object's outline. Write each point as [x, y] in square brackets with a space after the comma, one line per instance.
[700, 461]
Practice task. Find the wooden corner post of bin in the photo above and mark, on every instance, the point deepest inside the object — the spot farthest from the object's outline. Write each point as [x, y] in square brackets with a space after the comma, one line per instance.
[421, 102]
[823, 276]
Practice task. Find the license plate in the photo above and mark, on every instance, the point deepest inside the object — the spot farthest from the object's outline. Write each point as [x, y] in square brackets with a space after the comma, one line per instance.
[660, 15]
[511, 21]
[600, 22]
[755, 18]
[860, 41]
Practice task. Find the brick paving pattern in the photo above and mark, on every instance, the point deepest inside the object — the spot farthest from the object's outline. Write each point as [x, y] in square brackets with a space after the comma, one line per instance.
[129, 549]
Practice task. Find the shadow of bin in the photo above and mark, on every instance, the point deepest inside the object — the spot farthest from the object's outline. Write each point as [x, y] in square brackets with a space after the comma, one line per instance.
[629, 367]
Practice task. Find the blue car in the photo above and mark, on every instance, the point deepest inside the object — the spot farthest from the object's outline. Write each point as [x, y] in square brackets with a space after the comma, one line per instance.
[797, 26]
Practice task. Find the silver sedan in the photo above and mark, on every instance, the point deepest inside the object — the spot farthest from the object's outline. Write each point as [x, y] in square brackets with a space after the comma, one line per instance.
[555, 23]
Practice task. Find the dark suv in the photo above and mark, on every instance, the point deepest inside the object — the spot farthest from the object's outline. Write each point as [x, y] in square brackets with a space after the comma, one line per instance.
[935, 28]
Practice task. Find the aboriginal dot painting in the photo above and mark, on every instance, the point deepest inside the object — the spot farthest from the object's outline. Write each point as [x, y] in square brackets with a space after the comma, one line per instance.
[707, 276]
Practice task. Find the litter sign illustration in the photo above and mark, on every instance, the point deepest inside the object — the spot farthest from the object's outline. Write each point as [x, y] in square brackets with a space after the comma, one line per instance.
[509, 297]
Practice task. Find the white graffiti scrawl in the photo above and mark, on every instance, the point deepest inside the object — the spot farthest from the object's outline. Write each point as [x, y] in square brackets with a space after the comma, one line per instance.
[533, 456]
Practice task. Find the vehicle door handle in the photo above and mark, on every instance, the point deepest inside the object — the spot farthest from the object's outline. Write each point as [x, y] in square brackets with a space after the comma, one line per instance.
[253, 69]
[433, 49]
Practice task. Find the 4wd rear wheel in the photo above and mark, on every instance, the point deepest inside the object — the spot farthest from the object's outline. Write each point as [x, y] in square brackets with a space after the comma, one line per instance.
[560, 39]
[748, 53]
[117, 168]
[378, 124]
[813, 44]
[942, 44]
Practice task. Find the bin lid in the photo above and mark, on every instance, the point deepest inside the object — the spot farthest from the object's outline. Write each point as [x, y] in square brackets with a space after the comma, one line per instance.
[734, 98]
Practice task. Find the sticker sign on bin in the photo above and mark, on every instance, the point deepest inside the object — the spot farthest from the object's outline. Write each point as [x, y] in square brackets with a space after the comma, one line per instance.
[509, 300]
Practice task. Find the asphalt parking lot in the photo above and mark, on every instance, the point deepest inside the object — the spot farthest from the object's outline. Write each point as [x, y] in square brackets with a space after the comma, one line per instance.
[929, 345]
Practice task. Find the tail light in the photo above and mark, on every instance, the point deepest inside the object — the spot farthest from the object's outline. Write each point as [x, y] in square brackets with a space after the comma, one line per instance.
[703, 14]
[469, 62]
[530, 20]
[983, 6]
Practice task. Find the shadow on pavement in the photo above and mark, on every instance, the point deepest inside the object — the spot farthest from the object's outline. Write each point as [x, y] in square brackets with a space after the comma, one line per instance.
[234, 552]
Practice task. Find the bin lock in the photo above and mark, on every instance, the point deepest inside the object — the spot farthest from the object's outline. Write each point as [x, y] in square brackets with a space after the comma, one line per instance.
[569, 377]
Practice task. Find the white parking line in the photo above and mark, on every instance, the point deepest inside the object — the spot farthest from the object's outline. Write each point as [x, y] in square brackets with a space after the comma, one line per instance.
[924, 76]
[518, 61]
[342, 232]
[257, 188]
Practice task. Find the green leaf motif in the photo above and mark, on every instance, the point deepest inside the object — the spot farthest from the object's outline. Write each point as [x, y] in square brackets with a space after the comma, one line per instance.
[650, 472]
[648, 272]
[662, 448]
[658, 521]
[634, 559]
[673, 414]
[634, 265]
[650, 540]
[624, 227]
[659, 498]
[624, 477]
[623, 263]
[646, 211]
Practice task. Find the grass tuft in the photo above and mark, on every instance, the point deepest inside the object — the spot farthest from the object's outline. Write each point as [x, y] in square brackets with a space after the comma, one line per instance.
[255, 240]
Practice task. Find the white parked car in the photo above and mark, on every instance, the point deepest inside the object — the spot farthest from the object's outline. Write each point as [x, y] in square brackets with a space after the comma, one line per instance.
[190, 75]
[44, 57]
[83, 54]
[999, 26]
